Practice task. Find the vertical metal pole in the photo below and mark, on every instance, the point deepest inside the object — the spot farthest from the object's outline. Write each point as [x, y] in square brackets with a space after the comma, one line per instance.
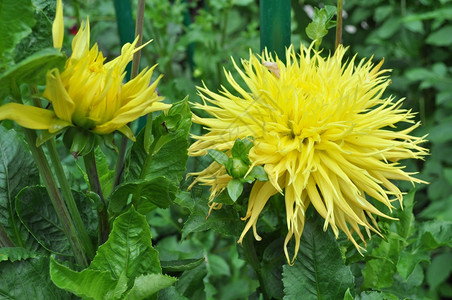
[275, 26]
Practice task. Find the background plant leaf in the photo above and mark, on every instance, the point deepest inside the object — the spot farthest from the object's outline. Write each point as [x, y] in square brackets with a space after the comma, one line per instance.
[38, 215]
[16, 20]
[17, 170]
[28, 279]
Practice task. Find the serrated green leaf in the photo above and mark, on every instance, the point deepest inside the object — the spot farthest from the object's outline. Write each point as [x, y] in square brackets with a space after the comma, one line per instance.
[145, 195]
[409, 260]
[17, 170]
[36, 212]
[180, 265]
[434, 234]
[16, 21]
[374, 295]
[146, 286]
[168, 153]
[319, 272]
[235, 189]
[127, 255]
[405, 226]
[106, 176]
[378, 273]
[41, 35]
[224, 220]
[218, 156]
[128, 248]
[258, 172]
[16, 253]
[88, 284]
[31, 70]
[241, 148]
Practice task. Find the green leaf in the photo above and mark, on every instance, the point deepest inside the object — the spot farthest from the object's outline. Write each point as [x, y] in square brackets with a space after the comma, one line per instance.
[405, 226]
[41, 35]
[15, 253]
[217, 266]
[171, 293]
[439, 270]
[319, 272]
[409, 259]
[88, 284]
[16, 21]
[241, 148]
[31, 70]
[28, 279]
[148, 285]
[145, 195]
[37, 213]
[442, 37]
[168, 153]
[258, 172]
[180, 265]
[218, 156]
[374, 295]
[106, 176]
[378, 273]
[128, 248]
[434, 234]
[235, 189]
[317, 29]
[17, 170]
[348, 295]
[224, 221]
[127, 255]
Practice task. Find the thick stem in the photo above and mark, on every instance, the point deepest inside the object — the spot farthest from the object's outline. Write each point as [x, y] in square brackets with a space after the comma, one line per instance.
[251, 257]
[135, 67]
[56, 198]
[339, 24]
[93, 177]
[69, 199]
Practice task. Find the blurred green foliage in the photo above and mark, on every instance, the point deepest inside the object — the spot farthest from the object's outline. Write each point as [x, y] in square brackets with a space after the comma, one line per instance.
[192, 42]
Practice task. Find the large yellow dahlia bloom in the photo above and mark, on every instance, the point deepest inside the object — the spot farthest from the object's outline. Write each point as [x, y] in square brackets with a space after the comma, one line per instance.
[89, 93]
[322, 130]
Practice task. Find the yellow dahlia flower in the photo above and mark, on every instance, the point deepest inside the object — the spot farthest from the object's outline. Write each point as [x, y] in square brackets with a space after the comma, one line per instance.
[322, 130]
[89, 93]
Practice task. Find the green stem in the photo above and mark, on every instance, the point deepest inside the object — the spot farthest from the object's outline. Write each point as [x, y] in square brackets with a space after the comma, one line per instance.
[93, 177]
[135, 67]
[251, 257]
[56, 198]
[69, 199]
[339, 24]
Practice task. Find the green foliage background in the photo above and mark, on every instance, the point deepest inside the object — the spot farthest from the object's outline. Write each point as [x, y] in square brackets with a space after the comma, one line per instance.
[193, 42]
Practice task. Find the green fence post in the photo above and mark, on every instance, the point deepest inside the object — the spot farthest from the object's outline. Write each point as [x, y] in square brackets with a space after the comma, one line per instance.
[126, 25]
[275, 26]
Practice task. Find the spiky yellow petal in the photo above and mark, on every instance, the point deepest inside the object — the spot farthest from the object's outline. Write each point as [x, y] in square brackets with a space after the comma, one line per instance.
[58, 26]
[320, 130]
